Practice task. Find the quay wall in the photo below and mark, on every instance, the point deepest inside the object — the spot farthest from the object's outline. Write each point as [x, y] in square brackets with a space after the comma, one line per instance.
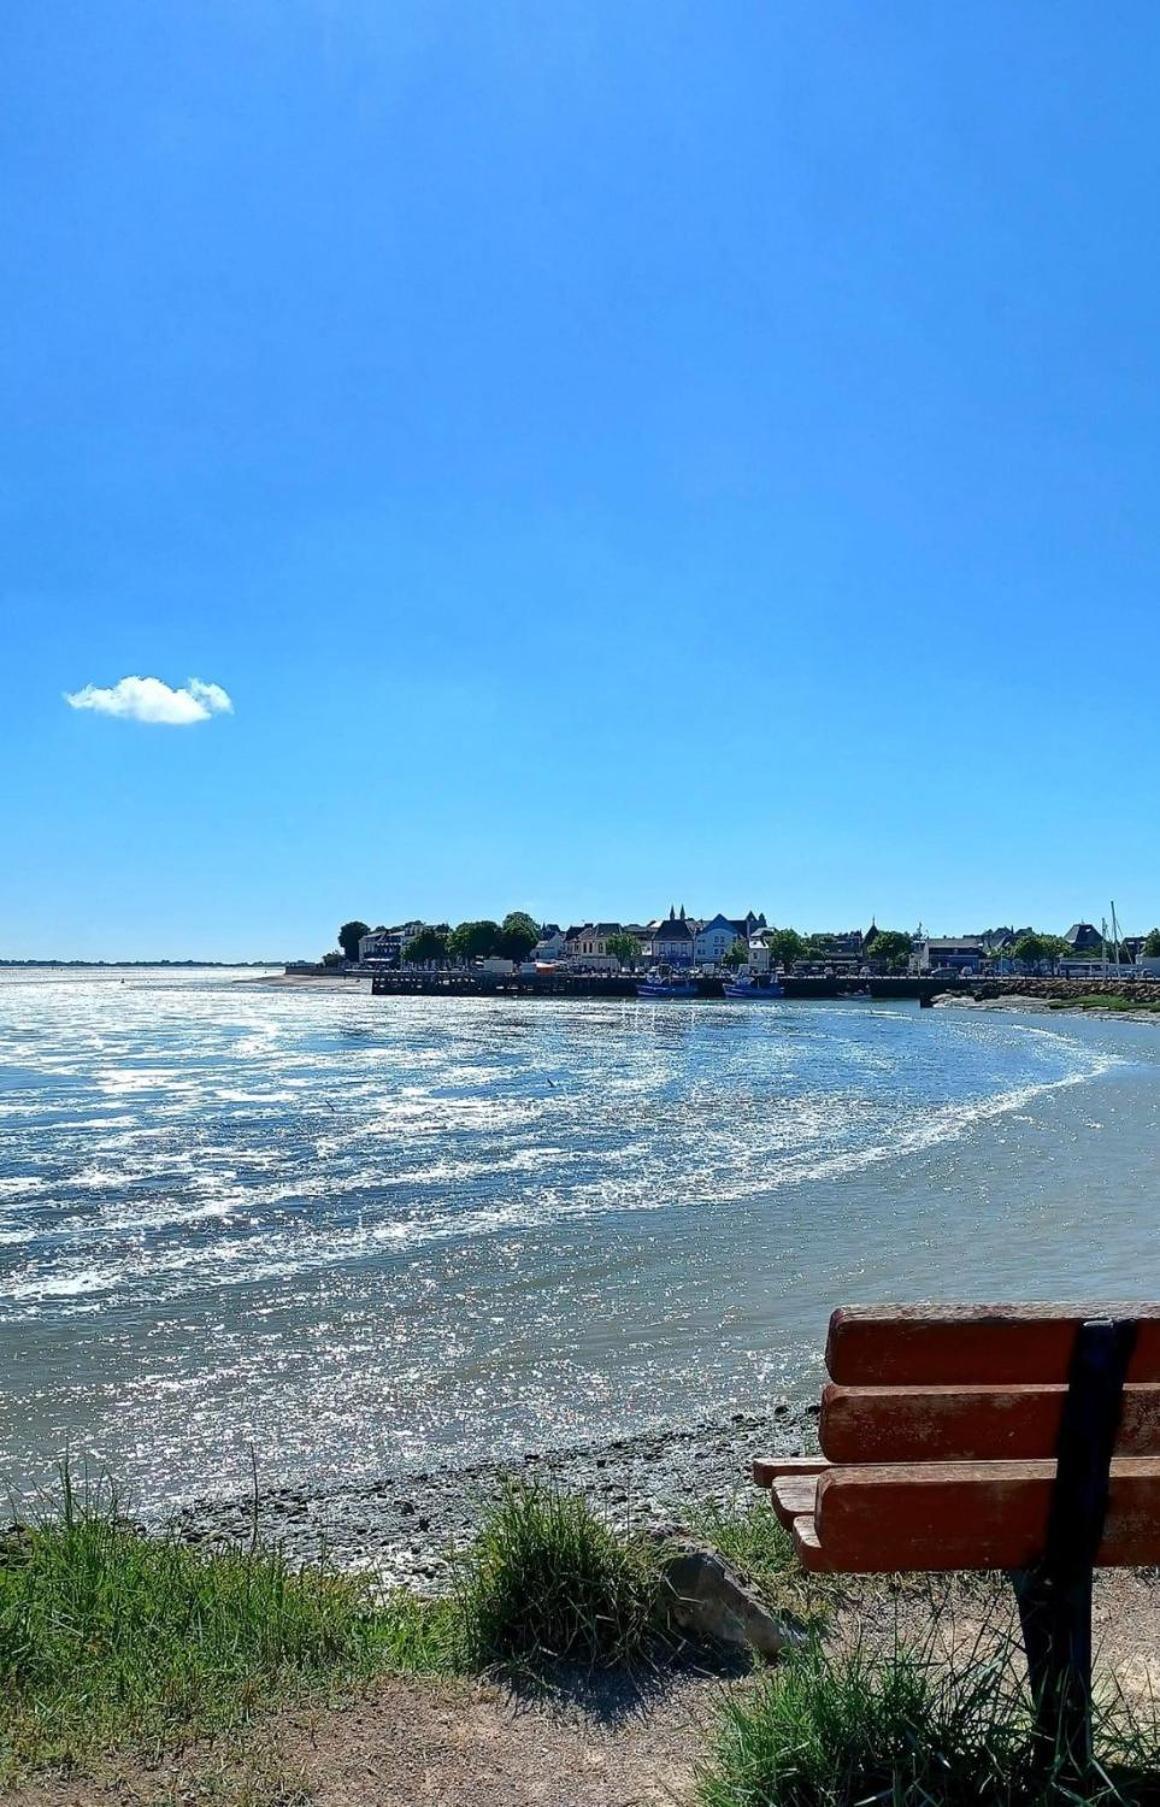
[569, 985]
[604, 985]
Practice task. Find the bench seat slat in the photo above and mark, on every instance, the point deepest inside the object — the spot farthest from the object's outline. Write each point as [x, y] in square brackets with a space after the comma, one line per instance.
[956, 1515]
[807, 1546]
[794, 1496]
[982, 1423]
[974, 1345]
[767, 1469]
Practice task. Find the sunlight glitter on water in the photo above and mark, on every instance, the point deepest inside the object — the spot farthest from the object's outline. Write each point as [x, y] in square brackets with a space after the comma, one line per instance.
[310, 1218]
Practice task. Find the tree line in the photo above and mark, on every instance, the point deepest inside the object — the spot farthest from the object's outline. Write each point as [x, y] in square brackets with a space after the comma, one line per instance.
[889, 949]
[512, 939]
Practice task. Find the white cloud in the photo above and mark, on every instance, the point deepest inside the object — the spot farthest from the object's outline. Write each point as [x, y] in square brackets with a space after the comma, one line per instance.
[149, 700]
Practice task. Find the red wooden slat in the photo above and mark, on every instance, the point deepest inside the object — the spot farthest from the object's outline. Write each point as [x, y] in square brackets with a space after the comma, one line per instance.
[809, 1551]
[958, 1515]
[794, 1496]
[766, 1469]
[974, 1345]
[947, 1424]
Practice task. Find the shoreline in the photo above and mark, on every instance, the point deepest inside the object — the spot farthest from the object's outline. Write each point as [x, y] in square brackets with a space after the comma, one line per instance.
[403, 1526]
[1041, 1006]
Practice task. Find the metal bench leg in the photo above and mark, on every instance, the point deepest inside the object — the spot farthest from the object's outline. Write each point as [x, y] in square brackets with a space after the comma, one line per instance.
[1055, 1599]
[1055, 1612]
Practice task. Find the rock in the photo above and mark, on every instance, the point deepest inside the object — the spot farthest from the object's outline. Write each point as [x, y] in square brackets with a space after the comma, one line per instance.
[16, 1542]
[708, 1601]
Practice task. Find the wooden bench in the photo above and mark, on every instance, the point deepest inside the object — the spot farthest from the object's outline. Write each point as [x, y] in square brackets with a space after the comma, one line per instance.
[1024, 1438]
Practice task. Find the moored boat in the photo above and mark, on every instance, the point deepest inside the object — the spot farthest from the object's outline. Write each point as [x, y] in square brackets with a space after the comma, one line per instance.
[668, 988]
[758, 988]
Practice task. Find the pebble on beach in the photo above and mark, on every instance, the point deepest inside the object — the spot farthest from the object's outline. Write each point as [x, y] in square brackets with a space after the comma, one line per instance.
[404, 1528]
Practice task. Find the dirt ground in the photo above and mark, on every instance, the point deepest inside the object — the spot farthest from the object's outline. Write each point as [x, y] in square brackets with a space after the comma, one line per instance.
[603, 1743]
[432, 1743]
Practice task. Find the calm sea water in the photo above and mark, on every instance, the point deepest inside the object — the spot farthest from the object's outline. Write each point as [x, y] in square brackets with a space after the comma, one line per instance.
[357, 1232]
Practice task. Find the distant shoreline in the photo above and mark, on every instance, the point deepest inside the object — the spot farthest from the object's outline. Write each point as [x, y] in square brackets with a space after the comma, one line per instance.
[137, 965]
[1101, 1012]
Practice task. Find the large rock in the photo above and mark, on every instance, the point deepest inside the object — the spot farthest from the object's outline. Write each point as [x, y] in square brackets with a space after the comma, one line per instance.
[706, 1600]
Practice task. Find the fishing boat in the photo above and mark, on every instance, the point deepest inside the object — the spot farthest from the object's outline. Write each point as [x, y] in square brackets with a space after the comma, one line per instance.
[668, 988]
[755, 988]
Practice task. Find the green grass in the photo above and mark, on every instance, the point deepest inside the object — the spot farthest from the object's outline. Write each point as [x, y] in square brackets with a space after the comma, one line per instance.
[548, 1580]
[1097, 1000]
[109, 1639]
[909, 1729]
[113, 1643]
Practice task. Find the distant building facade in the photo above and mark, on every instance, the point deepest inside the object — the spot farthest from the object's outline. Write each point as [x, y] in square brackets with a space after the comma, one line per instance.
[934, 953]
[586, 945]
[674, 942]
[714, 939]
[383, 947]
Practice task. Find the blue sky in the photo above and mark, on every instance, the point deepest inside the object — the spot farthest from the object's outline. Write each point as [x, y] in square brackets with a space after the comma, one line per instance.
[609, 455]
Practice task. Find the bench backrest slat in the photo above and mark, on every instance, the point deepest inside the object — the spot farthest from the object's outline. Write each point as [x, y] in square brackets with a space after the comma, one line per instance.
[970, 1424]
[975, 1345]
[982, 1436]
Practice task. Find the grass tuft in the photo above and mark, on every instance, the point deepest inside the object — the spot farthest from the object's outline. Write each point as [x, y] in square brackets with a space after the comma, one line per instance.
[548, 1580]
[910, 1729]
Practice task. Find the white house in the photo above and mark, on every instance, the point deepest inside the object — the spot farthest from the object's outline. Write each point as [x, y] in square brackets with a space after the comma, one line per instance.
[642, 934]
[550, 949]
[713, 940]
[586, 946]
[384, 947]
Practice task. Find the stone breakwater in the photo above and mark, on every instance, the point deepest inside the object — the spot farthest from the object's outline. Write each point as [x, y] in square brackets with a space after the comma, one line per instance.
[405, 1527]
[1144, 992]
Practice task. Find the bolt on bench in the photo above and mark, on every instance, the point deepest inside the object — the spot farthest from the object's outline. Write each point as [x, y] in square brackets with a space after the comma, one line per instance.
[1017, 1437]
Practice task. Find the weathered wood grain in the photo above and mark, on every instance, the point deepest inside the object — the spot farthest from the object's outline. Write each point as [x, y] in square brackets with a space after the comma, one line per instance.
[958, 1515]
[975, 1345]
[968, 1424]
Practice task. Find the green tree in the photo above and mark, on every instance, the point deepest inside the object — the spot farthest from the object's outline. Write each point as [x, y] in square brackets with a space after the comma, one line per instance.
[1038, 951]
[1152, 945]
[785, 946]
[890, 950]
[349, 936]
[738, 955]
[517, 936]
[625, 948]
[473, 940]
[427, 948]
[334, 958]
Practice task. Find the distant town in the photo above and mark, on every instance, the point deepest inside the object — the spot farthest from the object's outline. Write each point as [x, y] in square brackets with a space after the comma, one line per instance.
[718, 944]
